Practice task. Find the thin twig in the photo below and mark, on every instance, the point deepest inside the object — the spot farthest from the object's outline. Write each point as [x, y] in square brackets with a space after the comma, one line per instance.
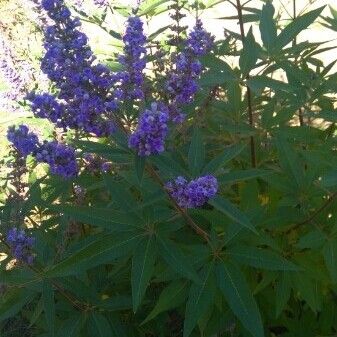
[313, 215]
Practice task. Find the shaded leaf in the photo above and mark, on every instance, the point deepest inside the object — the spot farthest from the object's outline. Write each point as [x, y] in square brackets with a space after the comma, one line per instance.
[235, 289]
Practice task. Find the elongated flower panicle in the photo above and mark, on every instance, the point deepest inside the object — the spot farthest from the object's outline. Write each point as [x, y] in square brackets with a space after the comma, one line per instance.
[182, 83]
[25, 142]
[149, 137]
[84, 85]
[61, 158]
[194, 193]
[131, 79]
[199, 41]
[20, 245]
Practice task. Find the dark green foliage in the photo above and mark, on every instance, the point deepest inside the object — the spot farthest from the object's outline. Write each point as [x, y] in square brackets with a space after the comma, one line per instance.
[259, 259]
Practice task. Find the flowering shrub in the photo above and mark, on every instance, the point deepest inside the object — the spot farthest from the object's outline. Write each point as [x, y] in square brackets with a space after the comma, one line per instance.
[180, 195]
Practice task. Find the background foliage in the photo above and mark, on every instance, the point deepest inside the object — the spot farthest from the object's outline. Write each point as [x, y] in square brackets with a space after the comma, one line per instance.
[121, 259]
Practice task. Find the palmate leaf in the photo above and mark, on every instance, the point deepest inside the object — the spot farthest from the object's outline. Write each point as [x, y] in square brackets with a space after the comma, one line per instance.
[232, 212]
[242, 175]
[13, 301]
[229, 153]
[99, 326]
[283, 291]
[236, 291]
[49, 307]
[249, 53]
[171, 297]
[330, 258]
[71, 327]
[142, 269]
[101, 217]
[200, 298]
[196, 153]
[100, 251]
[173, 256]
[296, 26]
[268, 28]
[260, 258]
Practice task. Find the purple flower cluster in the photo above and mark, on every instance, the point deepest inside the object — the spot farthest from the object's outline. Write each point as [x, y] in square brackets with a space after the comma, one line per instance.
[149, 137]
[21, 245]
[182, 83]
[24, 141]
[194, 193]
[61, 158]
[131, 79]
[199, 41]
[95, 164]
[84, 86]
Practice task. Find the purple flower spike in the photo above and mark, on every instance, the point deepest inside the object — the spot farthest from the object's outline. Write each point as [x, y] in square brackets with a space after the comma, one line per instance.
[24, 141]
[149, 137]
[21, 245]
[131, 79]
[182, 83]
[84, 100]
[194, 193]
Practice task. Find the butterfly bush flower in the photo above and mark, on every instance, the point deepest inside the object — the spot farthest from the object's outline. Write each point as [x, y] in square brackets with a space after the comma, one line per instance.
[182, 83]
[194, 193]
[20, 245]
[84, 85]
[131, 79]
[61, 158]
[149, 137]
[25, 142]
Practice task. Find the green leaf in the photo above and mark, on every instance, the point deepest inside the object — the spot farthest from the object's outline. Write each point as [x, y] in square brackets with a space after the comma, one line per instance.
[309, 290]
[70, 327]
[13, 301]
[229, 153]
[300, 23]
[329, 179]
[267, 26]
[142, 269]
[330, 258]
[235, 289]
[249, 53]
[200, 298]
[140, 166]
[176, 259]
[196, 153]
[236, 176]
[101, 326]
[289, 161]
[102, 217]
[283, 291]
[313, 239]
[149, 7]
[260, 258]
[98, 252]
[49, 307]
[171, 297]
[258, 83]
[232, 212]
